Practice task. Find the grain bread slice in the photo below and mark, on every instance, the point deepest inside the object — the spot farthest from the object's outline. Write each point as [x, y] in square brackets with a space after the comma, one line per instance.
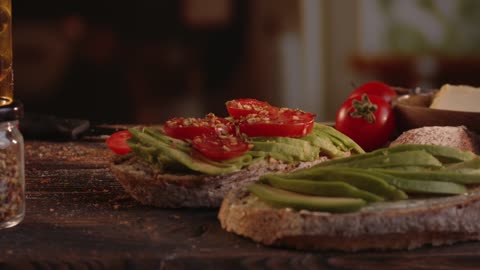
[404, 224]
[150, 186]
[458, 137]
[381, 226]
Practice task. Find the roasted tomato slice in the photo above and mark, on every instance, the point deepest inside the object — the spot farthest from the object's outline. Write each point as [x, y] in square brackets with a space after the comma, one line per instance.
[117, 142]
[242, 107]
[218, 147]
[189, 128]
[285, 123]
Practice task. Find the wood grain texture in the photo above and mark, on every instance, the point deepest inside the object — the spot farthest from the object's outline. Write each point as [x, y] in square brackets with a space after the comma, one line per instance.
[79, 217]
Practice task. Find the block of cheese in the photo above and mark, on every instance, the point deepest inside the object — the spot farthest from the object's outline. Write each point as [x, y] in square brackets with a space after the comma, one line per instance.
[457, 98]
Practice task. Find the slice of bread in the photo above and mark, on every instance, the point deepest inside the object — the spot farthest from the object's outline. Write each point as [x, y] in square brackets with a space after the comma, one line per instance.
[457, 137]
[404, 224]
[150, 186]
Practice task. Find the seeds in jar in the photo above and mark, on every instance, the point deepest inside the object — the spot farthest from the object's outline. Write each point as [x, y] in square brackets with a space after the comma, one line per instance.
[11, 185]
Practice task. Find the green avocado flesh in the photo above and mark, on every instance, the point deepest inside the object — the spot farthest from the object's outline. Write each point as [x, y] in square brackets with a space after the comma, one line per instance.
[322, 188]
[282, 198]
[173, 155]
[387, 174]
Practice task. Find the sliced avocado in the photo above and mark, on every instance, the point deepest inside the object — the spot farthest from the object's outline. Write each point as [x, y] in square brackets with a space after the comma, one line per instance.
[412, 157]
[338, 143]
[282, 198]
[355, 178]
[325, 144]
[184, 158]
[342, 161]
[467, 167]
[322, 188]
[400, 159]
[179, 144]
[344, 139]
[286, 149]
[443, 153]
[438, 175]
[421, 186]
[407, 158]
[354, 158]
[408, 168]
[148, 153]
[240, 161]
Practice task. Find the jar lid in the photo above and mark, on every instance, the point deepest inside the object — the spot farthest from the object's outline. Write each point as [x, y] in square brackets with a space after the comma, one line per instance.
[11, 112]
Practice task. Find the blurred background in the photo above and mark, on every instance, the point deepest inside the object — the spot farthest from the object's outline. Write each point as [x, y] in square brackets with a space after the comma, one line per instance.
[145, 61]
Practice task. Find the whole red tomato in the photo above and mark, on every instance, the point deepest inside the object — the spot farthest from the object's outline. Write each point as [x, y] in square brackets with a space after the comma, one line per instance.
[366, 119]
[375, 88]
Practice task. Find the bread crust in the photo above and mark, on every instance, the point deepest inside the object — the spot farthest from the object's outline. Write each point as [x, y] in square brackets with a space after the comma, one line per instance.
[382, 226]
[458, 137]
[151, 186]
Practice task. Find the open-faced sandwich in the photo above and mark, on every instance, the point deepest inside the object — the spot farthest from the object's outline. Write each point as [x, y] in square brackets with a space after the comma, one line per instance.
[392, 198]
[423, 189]
[194, 162]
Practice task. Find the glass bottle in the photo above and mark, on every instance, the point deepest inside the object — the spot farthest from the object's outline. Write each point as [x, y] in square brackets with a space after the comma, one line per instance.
[12, 166]
[6, 56]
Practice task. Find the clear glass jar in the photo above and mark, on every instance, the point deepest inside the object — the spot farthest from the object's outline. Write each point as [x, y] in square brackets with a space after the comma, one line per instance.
[12, 166]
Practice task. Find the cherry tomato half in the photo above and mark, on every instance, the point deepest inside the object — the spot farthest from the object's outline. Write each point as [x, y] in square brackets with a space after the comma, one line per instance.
[242, 107]
[375, 88]
[285, 123]
[220, 147]
[368, 120]
[117, 142]
[189, 128]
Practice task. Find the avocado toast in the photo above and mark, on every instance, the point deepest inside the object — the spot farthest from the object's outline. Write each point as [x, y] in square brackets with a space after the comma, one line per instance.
[393, 198]
[166, 172]
[193, 162]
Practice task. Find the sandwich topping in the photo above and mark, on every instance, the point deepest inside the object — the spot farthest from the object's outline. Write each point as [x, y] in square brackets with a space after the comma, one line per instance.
[118, 142]
[386, 174]
[242, 107]
[220, 147]
[189, 128]
[254, 131]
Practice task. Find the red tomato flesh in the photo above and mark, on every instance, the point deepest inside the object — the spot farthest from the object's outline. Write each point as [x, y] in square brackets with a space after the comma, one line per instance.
[189, 128]
[117, 142]
[285, 123]
[244, 106]
[220, 147]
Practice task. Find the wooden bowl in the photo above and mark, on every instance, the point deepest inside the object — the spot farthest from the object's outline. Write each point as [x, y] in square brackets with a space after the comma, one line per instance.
[412, 111]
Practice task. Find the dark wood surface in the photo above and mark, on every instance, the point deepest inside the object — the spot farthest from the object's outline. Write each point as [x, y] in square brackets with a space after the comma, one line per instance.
[79, 217]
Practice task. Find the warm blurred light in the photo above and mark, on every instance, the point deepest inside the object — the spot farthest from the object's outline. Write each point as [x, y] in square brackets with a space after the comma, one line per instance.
[313, 76]
[211, 13]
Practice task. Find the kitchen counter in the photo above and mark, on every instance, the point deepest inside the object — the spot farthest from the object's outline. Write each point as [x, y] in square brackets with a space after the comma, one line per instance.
[79, 217]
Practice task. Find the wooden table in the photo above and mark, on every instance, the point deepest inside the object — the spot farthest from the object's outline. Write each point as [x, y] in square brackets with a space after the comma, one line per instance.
[79, 217]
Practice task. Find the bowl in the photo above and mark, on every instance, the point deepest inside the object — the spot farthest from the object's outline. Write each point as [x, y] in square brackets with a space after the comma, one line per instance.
[412, 111]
